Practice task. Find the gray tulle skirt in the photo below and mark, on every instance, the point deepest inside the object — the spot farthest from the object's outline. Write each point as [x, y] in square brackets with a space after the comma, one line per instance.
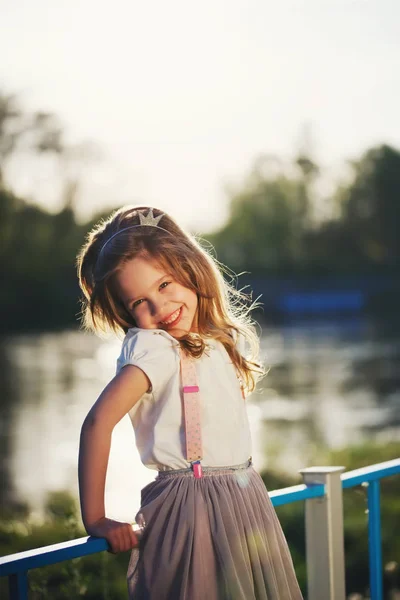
[214, 538]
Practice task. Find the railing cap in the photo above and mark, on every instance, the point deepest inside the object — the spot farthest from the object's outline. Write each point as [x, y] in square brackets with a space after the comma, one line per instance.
[322, 470]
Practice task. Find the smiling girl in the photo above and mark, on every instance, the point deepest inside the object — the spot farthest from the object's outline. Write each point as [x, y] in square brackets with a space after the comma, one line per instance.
[211, 531]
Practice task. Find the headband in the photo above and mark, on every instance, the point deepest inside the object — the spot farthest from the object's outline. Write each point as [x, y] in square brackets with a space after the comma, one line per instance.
[145, 221]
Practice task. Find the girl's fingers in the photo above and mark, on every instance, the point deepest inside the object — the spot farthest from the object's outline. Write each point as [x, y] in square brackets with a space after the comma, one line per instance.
[113, 538]
[114, 543]
[122, 538]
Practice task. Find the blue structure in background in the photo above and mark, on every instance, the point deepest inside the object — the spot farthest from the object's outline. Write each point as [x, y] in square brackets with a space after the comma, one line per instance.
[325, 294]
[16, 566]
[322, 302]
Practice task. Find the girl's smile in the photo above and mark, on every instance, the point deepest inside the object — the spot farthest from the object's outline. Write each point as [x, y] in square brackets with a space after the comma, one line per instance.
[173, 319]
[155, 299]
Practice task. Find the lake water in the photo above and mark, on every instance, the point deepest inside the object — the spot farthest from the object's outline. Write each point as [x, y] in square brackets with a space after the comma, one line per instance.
[330, 384]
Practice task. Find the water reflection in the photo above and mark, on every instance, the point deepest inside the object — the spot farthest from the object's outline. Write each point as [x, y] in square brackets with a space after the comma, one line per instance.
[330, 384]
[9, 398]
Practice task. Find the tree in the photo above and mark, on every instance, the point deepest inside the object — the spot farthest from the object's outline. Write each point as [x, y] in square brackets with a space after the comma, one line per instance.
[38, 132]
[41, 133]
[268, 218]
[371, 205]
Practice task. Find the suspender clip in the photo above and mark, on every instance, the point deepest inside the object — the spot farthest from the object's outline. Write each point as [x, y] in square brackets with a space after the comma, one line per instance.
[190, 389]
[197, 470]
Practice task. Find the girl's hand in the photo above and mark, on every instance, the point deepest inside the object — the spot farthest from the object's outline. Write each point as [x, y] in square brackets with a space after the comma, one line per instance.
[120, 536]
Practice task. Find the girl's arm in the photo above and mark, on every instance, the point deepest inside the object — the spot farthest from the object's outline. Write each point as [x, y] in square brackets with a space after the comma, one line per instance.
[120, 395]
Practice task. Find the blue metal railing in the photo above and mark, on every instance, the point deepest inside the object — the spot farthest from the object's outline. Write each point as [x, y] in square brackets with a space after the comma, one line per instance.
[16, 566]
[372, 475]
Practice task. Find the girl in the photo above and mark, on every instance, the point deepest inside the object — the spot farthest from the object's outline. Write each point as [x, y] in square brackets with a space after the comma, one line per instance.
[211, 531]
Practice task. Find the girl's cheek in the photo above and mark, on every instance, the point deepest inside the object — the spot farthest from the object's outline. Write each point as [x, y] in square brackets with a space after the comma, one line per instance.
[143, 317]
[138, 316]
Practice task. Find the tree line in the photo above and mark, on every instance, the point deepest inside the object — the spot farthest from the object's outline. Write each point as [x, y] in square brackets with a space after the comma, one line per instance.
[274, 227]
[273, 224]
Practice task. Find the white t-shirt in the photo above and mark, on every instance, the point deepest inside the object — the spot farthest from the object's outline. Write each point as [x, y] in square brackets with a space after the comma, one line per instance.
[158, 416]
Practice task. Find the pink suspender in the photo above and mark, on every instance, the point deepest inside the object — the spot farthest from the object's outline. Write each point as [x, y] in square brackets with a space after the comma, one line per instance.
[191, 411]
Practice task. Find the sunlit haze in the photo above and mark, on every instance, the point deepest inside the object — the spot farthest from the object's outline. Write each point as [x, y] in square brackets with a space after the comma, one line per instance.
[182, 96]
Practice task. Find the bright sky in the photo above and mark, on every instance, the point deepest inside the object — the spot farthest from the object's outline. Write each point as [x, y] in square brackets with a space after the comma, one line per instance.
[181, 95]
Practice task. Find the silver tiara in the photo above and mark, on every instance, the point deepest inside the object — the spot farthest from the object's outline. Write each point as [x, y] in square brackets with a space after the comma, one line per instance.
[144, 221]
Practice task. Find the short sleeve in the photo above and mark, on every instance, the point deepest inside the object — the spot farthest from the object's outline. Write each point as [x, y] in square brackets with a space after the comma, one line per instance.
[154, 351]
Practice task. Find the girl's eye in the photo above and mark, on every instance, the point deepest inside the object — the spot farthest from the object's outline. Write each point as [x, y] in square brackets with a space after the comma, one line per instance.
[136, 303]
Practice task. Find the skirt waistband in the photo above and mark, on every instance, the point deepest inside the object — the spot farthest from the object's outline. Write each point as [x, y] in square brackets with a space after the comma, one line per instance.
[207, 470]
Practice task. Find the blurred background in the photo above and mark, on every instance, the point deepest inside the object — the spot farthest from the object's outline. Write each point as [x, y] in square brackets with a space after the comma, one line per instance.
[273, 132]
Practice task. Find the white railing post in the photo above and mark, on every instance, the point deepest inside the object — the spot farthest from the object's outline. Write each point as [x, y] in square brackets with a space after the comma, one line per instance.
[324, 535]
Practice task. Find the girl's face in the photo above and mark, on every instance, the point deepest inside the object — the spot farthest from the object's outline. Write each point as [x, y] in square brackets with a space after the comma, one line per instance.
[155, 299]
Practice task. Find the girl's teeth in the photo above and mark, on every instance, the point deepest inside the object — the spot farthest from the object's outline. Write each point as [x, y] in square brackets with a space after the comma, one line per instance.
[173, 317]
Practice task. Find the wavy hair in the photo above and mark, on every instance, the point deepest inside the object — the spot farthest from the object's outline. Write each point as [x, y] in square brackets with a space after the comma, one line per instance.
[223, 313]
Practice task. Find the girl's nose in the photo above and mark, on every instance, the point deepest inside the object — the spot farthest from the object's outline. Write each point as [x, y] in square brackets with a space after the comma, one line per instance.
[157, 310]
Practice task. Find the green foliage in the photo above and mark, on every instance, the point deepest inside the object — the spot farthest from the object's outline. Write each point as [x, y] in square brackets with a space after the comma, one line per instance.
[98, 577]
[371, 206]
[60, 505]
[37, 255]
[37, 249]
[272, 225]
[267, 222]
[37, 265]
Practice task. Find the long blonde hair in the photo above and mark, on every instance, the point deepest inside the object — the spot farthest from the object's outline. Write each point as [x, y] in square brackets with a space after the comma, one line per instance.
[223, 313]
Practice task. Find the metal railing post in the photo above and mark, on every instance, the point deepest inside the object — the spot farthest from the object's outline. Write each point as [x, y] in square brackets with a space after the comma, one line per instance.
[18, 586]
[374, 540]
[324, 535]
